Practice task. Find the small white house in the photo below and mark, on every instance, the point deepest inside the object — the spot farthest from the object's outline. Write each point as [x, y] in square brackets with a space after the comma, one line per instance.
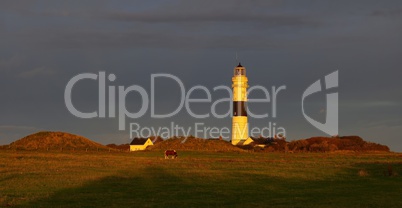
[140, 144]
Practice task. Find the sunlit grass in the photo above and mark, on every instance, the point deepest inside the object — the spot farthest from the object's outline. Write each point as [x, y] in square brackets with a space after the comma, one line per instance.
[199, 179]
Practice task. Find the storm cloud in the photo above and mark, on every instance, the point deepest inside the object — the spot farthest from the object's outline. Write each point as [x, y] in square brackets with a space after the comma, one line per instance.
[43, 44]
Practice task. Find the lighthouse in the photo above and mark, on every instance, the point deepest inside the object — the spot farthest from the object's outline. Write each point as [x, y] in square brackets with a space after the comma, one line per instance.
[239, 120]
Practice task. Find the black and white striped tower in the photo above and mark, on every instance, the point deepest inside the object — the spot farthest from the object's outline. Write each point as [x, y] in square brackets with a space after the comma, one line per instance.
[239, 121]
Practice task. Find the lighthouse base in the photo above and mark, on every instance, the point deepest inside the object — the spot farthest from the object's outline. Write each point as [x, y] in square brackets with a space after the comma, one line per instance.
[242, 141]
[240, 131]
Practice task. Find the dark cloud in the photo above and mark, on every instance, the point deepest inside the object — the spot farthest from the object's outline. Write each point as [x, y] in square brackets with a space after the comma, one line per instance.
[267, 19]
[45, 43]
[39, 71]
[387, 13]
[10, 63]
[139, 39]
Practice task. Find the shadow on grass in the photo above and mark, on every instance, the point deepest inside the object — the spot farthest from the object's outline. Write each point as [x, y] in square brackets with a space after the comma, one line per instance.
[152, 188]
[158, 187]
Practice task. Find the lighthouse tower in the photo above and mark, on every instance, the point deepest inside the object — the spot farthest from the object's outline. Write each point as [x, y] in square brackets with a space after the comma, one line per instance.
[239, 122]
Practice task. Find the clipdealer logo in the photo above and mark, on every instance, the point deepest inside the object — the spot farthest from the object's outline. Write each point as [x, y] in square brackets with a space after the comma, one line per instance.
[107, 106]
[330, 126]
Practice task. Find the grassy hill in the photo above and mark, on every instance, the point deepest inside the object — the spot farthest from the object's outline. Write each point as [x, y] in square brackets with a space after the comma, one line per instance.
[329, 144]
[317, 144]
[313, 144]
[195, 144]
[55, 140]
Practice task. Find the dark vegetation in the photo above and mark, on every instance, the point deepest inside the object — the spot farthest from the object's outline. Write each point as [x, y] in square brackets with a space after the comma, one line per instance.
[195, 144]
[126, 147]
[317, 144]
[122, 147]
[65, 141]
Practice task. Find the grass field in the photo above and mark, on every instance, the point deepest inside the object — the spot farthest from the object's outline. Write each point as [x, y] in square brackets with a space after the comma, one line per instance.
[199, 179]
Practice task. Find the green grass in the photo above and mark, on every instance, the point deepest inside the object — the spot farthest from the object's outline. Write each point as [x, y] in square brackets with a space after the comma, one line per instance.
[199, 179]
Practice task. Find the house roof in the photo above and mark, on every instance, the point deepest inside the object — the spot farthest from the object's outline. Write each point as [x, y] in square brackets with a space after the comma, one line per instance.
[139, 141]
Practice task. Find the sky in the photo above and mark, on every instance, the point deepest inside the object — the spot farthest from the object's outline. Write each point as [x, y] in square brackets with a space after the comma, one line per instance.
[44, 44]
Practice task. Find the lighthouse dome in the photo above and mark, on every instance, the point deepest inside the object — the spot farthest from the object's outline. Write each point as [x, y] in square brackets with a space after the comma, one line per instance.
[239, 70]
